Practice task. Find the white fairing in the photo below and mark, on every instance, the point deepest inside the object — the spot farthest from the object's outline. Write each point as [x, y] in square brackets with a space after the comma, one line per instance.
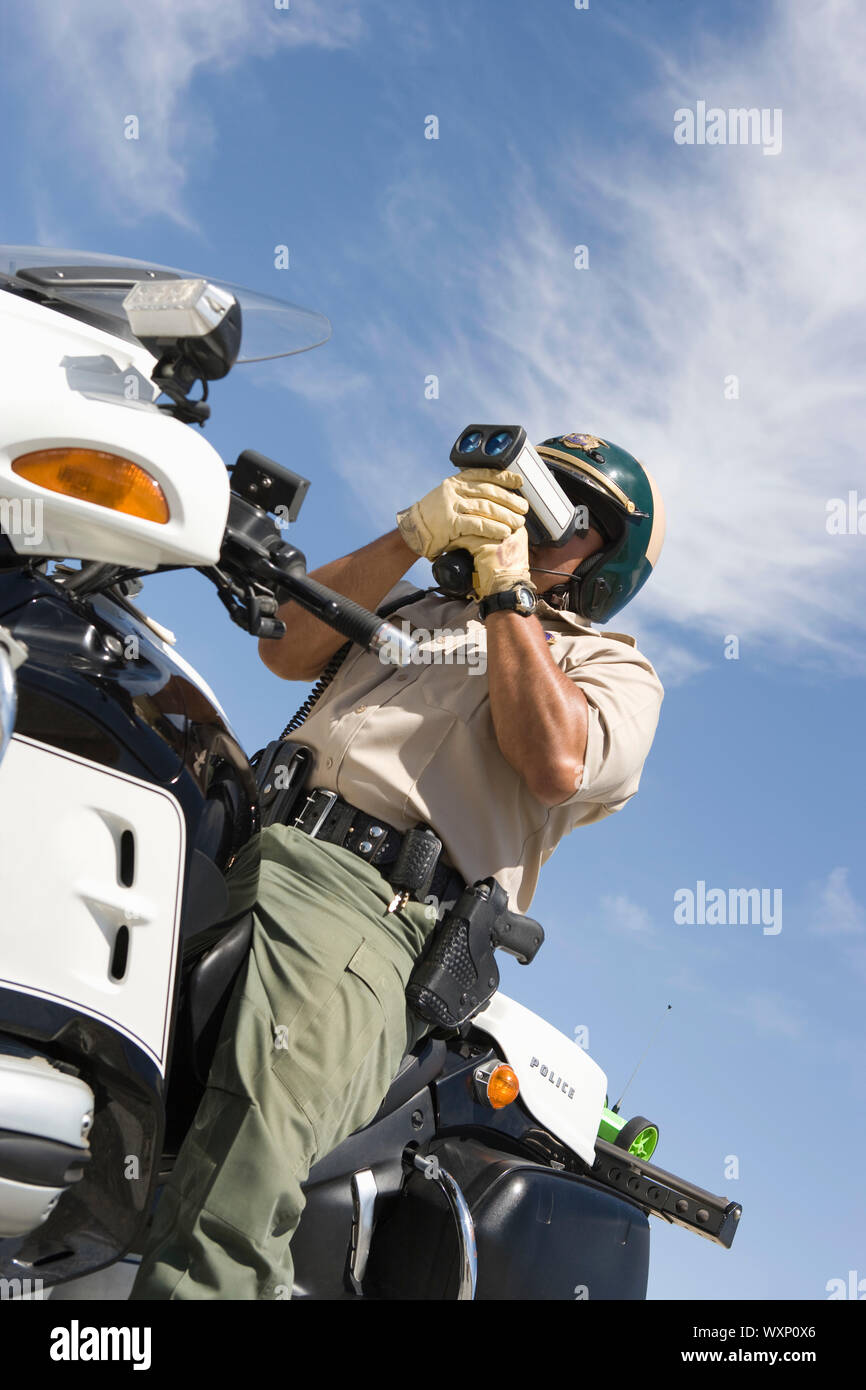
[560, 1084]
[63, 904]
[65, 383]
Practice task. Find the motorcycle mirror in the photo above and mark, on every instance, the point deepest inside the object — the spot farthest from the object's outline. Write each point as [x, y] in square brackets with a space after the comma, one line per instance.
[269, 485]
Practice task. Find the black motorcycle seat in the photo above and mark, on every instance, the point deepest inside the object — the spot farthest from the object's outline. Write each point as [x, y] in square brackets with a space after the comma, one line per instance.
[209, 981]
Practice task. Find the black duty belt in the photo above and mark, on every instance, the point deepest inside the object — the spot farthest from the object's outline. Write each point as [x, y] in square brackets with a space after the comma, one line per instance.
[326, 816]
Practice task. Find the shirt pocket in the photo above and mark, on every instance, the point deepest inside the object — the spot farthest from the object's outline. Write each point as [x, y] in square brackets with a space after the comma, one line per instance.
[455, 676]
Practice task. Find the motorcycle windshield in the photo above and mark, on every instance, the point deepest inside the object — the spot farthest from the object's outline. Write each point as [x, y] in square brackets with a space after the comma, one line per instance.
[92, 286]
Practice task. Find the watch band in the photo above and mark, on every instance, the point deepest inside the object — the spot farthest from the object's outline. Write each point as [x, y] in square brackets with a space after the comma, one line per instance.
[507, 600]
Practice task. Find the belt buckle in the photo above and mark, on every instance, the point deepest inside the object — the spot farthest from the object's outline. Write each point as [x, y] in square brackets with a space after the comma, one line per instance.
[331, 797]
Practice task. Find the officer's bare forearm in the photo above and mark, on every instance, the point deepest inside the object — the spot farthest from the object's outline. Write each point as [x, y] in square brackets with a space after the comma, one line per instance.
[539, 715]
[365, 575]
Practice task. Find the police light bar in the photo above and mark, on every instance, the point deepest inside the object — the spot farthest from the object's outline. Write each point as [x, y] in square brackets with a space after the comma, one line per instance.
[176, 308]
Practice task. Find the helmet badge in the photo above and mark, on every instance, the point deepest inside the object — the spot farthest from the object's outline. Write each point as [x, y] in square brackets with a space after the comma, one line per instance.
[584, 441]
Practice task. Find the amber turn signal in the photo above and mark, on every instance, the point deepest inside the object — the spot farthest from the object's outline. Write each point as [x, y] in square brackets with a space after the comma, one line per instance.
[91, 475]
[496, 1086]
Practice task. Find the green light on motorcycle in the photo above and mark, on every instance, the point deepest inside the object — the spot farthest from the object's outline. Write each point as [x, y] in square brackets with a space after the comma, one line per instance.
[637, 1136]
[645, 1142]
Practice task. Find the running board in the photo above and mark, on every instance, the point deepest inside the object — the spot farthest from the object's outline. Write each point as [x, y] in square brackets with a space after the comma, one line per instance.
[664, 1194]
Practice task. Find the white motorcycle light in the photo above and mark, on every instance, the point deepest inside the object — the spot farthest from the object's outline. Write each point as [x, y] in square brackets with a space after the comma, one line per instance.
[107, 480]
[176, 308]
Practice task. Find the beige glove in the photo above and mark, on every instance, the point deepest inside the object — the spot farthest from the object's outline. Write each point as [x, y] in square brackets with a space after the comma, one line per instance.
[501, 565]
[476, 504]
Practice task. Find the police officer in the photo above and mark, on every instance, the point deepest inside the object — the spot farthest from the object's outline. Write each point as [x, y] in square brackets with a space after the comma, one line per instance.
[519, 722]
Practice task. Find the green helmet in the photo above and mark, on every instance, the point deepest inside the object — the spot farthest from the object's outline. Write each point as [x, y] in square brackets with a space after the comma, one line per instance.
[624, 504]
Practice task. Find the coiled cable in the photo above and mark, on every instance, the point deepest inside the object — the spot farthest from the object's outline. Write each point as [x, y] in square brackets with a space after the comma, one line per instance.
[336, 662]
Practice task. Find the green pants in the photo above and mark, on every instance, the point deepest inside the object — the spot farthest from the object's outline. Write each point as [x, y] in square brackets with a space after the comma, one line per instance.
[312, 1039]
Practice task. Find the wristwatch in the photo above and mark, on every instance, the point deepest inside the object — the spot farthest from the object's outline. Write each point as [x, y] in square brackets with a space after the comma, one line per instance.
[521, 599]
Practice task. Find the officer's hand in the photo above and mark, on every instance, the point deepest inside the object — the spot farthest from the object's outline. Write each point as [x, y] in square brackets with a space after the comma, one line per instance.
[500, 566]
[476, 504]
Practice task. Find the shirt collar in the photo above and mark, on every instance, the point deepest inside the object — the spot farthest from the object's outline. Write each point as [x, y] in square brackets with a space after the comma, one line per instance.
[547, 611]
[572, 620]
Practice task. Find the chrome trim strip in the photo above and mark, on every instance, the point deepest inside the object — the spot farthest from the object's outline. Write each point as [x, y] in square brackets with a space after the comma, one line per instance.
[8, 700]
[582, 467]
[431, 1168]
[364, 1192]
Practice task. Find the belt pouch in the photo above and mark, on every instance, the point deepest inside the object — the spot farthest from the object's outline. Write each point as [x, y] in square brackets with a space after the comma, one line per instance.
[281, 774]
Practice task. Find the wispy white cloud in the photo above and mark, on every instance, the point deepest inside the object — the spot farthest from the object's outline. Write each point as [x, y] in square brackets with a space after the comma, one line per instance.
[705, 263]
[97, 62]
[687, 977]
[769, 1012]
[835, 914]
[626, 917]
[674, 660]
[856, 960]
[835, 911]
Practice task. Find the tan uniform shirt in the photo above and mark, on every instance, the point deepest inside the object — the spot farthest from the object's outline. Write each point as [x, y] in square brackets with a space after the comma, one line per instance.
[418, 743]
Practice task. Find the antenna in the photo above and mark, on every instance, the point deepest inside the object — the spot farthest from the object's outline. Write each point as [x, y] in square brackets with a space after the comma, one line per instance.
[615, 1108]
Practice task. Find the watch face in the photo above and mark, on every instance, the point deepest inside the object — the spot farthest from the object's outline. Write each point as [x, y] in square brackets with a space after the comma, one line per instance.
[525, 598]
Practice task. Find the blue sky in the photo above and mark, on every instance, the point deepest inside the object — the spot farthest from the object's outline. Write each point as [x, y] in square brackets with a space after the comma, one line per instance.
[454, 257]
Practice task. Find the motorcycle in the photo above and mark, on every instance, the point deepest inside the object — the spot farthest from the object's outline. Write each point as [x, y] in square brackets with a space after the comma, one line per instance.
[129, 827]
